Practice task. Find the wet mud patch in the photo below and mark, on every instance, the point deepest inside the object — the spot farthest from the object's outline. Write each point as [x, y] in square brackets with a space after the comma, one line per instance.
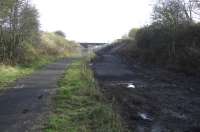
[149, 99]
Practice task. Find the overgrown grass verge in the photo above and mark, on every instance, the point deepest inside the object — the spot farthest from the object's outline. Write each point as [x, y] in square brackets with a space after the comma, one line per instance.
[80, 106]
[8, 73]
[52, 47]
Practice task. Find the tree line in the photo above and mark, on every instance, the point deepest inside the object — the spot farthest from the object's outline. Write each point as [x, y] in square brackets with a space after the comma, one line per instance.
[173, 37]
[18, 23]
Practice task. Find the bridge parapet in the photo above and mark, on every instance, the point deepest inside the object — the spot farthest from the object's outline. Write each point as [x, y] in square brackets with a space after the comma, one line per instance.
[91, 45]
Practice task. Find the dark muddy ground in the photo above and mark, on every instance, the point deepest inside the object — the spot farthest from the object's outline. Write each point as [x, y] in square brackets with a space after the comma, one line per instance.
[157, 100]
[27, 102]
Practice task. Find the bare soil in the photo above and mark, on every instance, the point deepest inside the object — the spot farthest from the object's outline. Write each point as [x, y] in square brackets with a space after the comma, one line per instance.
[162, 100]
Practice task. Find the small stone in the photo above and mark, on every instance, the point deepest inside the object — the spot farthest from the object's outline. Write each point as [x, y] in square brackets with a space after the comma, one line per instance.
[131, 86]
[25, 111]
[144, 116]
[40, 97]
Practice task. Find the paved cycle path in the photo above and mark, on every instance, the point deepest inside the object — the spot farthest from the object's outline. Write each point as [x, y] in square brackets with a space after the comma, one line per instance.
[28, 100]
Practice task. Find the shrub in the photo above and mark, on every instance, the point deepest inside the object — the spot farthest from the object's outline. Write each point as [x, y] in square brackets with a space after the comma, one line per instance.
[179, 47]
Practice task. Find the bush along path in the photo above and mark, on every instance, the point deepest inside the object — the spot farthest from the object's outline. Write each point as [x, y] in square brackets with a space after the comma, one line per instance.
[28, 100]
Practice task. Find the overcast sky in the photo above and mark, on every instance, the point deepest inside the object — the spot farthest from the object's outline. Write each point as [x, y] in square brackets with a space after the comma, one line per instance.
[93, 20]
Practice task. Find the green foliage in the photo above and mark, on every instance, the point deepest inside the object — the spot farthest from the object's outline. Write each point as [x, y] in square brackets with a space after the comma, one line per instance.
[181, 48]
[79, 105]
[29, 23]
[132, 33]
[5, 6]
[8, 73]
[60, 33]
[173, 39]
[18, 23]
[56, 45]
[171, 12]
[34, 56]
[20, 38]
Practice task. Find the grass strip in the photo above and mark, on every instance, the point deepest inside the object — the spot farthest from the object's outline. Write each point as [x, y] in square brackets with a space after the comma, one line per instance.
[9, 74]
[80, 106]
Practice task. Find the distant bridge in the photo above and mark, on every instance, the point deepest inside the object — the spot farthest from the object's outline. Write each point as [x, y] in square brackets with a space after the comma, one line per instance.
[91, 45]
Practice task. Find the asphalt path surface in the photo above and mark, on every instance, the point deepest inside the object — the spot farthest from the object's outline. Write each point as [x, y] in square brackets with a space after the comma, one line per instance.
[28, 100]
